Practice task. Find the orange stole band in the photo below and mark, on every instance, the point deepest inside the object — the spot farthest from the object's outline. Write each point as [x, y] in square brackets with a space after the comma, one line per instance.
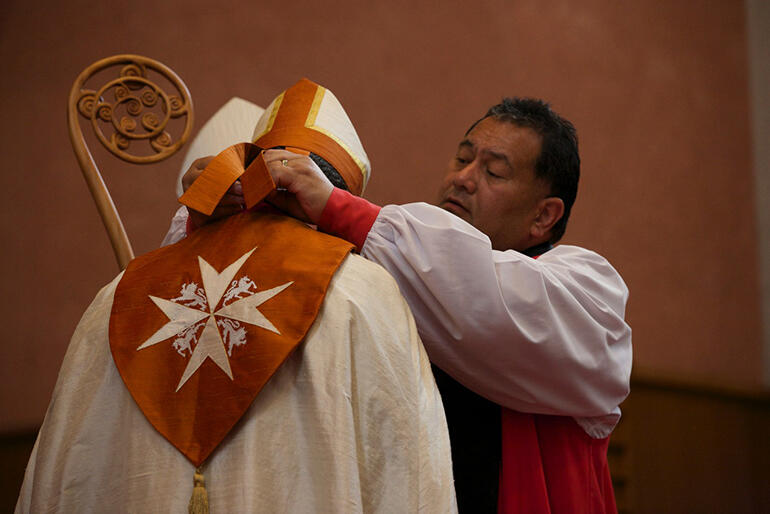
[256, 182]
[208, 189]
[244, 161]
[282, 271]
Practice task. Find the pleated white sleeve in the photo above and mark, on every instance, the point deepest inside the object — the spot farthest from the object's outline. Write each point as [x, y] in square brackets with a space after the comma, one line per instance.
[542, 335]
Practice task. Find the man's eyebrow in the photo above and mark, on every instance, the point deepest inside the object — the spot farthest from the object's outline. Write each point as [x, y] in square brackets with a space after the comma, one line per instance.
[499, 156]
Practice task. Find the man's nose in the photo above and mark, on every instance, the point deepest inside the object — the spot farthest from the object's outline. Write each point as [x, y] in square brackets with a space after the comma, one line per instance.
[466, 178]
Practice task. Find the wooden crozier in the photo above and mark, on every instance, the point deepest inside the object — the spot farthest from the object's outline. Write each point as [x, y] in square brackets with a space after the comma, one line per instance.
[133, 117]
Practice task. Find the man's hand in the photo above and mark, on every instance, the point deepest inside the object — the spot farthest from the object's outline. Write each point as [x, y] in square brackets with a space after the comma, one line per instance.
[231, 203]
[303, 189]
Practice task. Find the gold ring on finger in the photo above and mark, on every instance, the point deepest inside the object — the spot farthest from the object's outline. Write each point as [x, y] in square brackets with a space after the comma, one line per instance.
[285, 162]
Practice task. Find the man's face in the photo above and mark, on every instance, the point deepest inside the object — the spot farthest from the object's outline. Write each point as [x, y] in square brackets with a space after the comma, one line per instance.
[491, 183]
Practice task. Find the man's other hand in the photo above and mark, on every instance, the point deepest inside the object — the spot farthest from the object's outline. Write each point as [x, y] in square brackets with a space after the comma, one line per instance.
[231, 203]
[303, 189]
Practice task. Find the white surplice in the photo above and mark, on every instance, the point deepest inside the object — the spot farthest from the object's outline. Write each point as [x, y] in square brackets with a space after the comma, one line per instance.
[543, 336]
[351, 422]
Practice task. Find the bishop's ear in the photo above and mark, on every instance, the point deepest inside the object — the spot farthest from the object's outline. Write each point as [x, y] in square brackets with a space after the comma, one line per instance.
[550, 210]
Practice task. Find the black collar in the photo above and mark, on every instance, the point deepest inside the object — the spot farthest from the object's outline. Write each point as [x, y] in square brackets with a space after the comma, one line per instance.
[534, 251]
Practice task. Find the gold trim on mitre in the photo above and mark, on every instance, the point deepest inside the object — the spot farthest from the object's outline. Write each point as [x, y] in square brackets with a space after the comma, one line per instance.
[264, 125]
[315, 106]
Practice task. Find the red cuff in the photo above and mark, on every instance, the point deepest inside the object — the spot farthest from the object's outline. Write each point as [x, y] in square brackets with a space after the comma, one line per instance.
[349, 217]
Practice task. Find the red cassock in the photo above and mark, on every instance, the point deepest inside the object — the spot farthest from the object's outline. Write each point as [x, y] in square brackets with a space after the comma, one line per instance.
[550, 465]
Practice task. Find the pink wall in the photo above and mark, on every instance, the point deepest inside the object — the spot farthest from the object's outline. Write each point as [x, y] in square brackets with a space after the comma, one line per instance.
[658, 91]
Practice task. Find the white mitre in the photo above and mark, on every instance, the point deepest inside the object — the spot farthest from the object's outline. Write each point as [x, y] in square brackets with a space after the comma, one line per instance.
[232, 123]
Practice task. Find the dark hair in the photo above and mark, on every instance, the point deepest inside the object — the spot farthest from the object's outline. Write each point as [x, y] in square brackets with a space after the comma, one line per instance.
[559, 162]
[330, 171]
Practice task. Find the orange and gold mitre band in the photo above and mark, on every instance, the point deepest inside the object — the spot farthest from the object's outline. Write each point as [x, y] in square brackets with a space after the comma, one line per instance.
[309, 116]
